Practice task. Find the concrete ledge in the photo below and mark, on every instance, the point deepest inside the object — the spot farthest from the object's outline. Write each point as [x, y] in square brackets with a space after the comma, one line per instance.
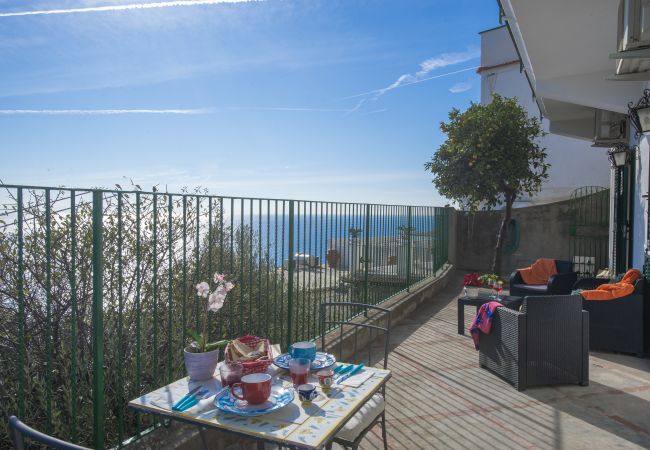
[405, 303]
[347, 346]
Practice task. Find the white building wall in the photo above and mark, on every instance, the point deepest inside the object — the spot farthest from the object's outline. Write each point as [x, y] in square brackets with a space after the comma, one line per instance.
[574, 163]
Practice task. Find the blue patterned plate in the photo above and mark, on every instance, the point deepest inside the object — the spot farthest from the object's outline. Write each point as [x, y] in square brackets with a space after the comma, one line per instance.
[322, 361]
[279, 399]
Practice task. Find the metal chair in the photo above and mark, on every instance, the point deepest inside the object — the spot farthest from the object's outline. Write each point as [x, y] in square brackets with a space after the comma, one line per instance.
[357, 322]
[18, 431]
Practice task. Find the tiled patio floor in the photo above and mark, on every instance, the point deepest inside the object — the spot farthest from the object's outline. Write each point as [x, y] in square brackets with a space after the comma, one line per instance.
[440, 398]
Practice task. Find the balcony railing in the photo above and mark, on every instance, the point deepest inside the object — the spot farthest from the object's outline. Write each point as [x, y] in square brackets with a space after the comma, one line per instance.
[97, 288]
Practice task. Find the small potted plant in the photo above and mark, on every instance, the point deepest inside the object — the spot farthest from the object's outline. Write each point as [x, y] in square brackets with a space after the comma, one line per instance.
[492, 281]
[202, 356]
[471, 284]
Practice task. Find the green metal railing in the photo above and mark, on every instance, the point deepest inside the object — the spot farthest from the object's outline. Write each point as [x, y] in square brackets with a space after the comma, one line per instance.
[97, 288]
[589, 229]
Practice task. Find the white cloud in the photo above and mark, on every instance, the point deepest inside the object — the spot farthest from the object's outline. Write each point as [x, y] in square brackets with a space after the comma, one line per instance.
[426, 67]
[103, 112]
[460, 87]
[123, 7]
[107, 112]
[447, 59]
[420, 80]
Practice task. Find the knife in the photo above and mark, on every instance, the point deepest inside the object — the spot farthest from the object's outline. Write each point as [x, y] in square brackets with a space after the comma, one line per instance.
[185, 398]
[193, 400]
[352, 372]
[346, 369]
[339, 369]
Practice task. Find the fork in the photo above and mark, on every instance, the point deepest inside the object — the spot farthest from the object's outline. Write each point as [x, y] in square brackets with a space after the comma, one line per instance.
[192, 400]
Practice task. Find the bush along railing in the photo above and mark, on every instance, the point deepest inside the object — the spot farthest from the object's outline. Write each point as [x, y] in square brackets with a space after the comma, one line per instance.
[97, 288]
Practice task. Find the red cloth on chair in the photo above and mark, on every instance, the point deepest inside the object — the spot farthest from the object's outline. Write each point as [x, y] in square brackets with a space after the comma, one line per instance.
[483, 321]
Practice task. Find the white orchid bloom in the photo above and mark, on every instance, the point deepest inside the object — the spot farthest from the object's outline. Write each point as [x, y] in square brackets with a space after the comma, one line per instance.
[222, 291]
[215, 301]
[203, 289]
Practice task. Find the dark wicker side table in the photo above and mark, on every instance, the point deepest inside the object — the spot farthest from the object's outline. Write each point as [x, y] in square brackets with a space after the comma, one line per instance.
[509, 301]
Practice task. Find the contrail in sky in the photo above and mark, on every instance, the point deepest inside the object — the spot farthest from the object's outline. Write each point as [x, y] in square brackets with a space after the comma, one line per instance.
[419, 80]
[108, 112]
[123, 7]
[103, 112]
[289, 109]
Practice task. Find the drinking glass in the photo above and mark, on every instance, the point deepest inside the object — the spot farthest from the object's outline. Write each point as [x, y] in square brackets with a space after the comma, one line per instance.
[299, 369]
[231, 373]
[498, 287]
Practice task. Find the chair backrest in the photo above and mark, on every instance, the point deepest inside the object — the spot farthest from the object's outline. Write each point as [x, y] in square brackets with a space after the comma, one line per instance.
[554, 332]
[350, 331]
[554, 318]
[563, 266]
[18, 431]
[544, 307]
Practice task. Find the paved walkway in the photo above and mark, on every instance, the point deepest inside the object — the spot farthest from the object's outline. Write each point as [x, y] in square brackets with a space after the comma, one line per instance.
[440, 398]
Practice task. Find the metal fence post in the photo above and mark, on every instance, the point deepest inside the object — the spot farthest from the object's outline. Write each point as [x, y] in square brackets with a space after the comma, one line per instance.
[445, 247]
[409, 233]
[98, 326]
[291, 271]
[22, 349]
[366, 255]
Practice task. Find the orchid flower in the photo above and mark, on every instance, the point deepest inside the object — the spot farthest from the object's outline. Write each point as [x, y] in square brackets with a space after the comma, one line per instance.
[215, 301]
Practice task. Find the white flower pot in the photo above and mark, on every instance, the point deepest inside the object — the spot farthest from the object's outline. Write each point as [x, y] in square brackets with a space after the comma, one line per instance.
[485, 292]
[201, 366]
[471, 291]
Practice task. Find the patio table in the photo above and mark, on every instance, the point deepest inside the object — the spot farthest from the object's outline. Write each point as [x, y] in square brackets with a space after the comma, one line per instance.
[297, 425]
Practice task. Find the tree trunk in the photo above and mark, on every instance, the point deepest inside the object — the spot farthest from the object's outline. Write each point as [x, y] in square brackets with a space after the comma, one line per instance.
[503, 231]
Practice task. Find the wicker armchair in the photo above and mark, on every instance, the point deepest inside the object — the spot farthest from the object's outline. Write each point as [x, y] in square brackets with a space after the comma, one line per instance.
[559, 284]
[547, 342]
[619, 325]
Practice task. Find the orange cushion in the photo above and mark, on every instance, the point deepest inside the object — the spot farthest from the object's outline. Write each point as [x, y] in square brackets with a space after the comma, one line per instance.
[611, 291]
[539, 272]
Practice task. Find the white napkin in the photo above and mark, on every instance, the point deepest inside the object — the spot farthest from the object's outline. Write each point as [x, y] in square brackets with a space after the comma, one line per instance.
[357, 379]
[204, 404]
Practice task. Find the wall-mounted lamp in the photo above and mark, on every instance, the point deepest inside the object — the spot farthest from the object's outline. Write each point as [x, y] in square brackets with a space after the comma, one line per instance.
[640, 113]
[619, 155]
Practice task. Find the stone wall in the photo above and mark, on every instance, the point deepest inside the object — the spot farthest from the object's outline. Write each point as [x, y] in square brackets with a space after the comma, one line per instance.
[544, 232]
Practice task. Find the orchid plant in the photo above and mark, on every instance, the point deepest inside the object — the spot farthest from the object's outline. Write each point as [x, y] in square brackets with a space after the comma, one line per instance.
[215, 300]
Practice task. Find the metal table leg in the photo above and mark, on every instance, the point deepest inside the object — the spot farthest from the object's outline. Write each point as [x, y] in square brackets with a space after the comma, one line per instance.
[203, 439]
[461, 316]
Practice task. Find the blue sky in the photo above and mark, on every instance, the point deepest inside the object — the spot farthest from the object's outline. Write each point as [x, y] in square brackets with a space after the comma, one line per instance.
[310, 99]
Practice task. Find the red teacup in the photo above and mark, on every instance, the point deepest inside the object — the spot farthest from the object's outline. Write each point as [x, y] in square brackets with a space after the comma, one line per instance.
[255, 388]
